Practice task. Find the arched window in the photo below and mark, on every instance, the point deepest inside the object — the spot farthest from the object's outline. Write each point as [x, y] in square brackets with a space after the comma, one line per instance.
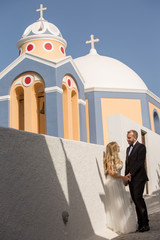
[20, 101]
[65, 111]
[27, 103]
[40, 108]
[75, 114]
[156, 122]
[70, 109]
[17, 108]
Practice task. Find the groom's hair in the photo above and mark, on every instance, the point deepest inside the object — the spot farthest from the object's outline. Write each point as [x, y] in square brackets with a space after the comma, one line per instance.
[135, 133]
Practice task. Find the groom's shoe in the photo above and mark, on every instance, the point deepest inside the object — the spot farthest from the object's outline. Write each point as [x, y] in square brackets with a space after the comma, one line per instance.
[138, 228]
[144, 228]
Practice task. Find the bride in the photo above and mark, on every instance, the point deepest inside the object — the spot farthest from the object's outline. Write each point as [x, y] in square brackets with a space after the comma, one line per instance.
[120, 214]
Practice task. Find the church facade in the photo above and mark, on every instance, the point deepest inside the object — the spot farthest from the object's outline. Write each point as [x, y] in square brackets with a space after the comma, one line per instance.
[44, 91]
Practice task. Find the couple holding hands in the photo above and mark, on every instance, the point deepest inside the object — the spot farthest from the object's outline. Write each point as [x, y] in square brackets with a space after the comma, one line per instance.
[120, 213]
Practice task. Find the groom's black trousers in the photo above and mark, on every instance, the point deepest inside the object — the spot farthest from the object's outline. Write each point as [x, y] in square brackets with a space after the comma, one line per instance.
[136, 190]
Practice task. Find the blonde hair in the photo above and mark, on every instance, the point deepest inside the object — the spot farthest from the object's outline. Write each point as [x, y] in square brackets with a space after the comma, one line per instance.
[111, 156]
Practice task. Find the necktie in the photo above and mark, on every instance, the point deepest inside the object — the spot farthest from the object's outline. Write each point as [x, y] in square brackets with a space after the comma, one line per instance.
[130, 149]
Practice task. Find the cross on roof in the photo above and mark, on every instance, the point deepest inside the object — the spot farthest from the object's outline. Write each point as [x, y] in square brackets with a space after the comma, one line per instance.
[92, 41]
[41, 11]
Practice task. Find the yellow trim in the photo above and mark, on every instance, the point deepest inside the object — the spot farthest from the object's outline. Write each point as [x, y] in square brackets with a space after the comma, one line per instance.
[75, 114]
[70, 109]
[87, 120]
[65, 111]
[130, 108]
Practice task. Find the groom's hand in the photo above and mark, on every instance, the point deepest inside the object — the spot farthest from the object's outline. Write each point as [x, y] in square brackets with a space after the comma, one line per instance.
[125, 180]
[129, 177]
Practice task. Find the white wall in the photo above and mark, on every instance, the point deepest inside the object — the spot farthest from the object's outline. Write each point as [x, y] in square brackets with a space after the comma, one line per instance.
[40, 177]
[118, 127]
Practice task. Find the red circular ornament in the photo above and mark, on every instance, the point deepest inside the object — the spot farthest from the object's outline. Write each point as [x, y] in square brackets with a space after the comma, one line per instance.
[29, 47]
[62, 50]
[69, 82]
[27, 80]
[48, 46]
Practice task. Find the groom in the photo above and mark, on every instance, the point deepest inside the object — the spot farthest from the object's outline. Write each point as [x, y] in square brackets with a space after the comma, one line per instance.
[135, 171]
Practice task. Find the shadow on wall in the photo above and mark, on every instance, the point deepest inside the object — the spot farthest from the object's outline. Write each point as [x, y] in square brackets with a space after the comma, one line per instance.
[79, 222]
[102, 196]
[158, 175]
[31, 196]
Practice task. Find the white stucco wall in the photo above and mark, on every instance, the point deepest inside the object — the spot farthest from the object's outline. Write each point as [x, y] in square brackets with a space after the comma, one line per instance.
[118, 127]
[42, 176]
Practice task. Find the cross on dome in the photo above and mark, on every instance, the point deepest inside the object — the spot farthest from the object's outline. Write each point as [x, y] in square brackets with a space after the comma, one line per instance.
[92, 41]
[41, 11]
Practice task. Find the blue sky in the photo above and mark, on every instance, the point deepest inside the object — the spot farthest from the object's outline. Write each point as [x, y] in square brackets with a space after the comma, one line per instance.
[129, 30]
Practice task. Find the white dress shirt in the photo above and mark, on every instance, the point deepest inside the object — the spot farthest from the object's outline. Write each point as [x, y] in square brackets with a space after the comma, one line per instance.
[131, 148]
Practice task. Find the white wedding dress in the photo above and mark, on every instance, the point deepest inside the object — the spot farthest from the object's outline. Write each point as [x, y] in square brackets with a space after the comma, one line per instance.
[120, 212]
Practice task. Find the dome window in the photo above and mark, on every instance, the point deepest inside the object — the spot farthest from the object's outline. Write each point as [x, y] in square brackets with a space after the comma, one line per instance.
[30, 47]
[27, 81]
[48, 46]
[61, 48]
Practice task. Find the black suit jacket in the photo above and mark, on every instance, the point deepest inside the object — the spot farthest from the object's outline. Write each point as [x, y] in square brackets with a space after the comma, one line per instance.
[135, 163]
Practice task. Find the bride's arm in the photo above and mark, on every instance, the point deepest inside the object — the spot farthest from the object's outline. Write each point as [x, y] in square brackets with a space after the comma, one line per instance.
[112, 173]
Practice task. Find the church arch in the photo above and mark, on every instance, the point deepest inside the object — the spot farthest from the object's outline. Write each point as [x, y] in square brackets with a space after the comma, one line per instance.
[27, 103]
[17, 107]
[65, 111]
[156, 122]
[75, 114]
[40, 107]
[70, 108]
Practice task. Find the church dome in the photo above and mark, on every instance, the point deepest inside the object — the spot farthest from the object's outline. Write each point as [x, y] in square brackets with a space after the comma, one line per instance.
[41, 29]
[104, 73]
[43, 39]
